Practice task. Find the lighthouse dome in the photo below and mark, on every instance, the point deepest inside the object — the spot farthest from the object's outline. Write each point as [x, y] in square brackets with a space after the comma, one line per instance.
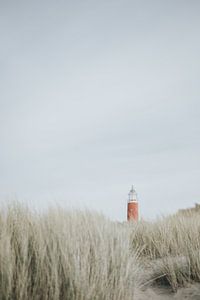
[132, 194]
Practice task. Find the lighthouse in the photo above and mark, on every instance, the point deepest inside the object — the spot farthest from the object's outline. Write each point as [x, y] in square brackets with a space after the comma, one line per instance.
[132, 206]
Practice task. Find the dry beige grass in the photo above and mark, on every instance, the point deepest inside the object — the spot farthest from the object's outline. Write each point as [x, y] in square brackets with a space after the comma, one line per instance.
[170, 250]
[84, 256]
[64, 255]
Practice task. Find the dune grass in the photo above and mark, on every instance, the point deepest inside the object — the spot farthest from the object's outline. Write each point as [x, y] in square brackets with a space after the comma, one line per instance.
[82, 255]
[170, 249]
[64, 255]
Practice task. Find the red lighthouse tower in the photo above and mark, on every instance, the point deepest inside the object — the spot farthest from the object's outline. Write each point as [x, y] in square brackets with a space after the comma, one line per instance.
[132, 207]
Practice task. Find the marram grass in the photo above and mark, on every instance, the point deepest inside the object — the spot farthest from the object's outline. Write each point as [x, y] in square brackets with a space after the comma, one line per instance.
[81, 255]
[64, 255]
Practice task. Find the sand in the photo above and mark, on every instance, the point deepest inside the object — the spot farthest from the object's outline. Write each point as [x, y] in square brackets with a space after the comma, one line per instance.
[192, 292]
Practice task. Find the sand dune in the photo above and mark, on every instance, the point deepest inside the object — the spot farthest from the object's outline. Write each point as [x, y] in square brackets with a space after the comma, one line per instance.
[192, 292]
[75, 255]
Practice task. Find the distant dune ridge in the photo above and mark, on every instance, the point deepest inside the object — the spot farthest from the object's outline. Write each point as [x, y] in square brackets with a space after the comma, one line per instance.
[82, 255]
[191, 210]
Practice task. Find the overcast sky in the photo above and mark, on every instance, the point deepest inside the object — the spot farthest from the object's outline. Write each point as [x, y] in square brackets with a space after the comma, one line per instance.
[96, 96]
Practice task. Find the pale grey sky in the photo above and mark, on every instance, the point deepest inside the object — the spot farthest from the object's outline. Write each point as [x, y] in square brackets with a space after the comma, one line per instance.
[96, 96]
